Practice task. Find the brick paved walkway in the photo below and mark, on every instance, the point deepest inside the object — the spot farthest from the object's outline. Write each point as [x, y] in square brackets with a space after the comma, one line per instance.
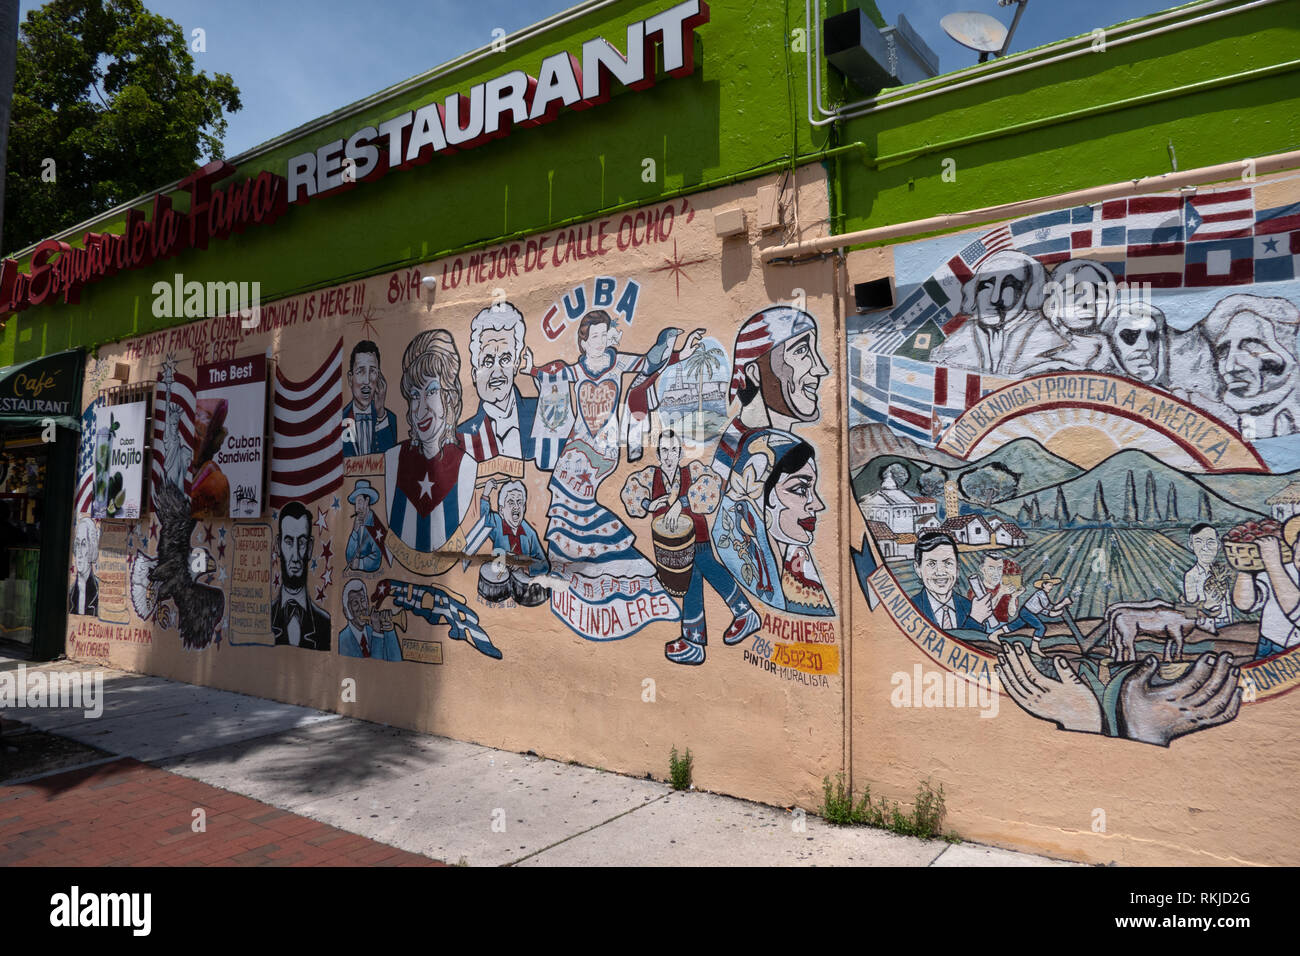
[127, 813]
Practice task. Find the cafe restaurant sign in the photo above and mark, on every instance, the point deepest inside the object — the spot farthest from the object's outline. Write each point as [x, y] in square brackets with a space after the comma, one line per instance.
[48, 387]
[490, 110]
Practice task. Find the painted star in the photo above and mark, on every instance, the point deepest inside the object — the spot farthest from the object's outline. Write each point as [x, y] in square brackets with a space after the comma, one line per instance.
[221, 572]
[676, 267]
[314, 563]
[1270, 245]
[335, 506]
[328, 577]
[221, 550]
[327, 551]
[320, 593]
[223, 534]
[426, 487]
[321, 520]
[207, 534]
[153, 529]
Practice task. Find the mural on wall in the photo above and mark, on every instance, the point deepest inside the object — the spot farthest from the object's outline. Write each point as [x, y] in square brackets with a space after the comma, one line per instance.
[1073, 443]
[636, 480]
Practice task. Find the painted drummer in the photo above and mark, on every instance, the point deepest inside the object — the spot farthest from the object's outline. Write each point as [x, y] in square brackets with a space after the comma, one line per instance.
[511, 535]
[684, 493]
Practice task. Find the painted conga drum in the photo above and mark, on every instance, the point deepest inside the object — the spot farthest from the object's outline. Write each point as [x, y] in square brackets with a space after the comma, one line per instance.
[674, 542]
[526, 591]
[494, 582]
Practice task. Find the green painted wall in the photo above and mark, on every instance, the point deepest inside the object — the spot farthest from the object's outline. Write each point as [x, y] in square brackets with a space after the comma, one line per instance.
[1218, 91]
[1248, 105]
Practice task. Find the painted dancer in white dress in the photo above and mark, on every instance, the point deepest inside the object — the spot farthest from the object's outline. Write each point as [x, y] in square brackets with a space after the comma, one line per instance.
[588, 545]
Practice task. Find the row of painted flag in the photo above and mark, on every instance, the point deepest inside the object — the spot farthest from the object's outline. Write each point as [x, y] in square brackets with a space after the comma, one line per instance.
[1221, 238]
[306, 434]
[913, 398]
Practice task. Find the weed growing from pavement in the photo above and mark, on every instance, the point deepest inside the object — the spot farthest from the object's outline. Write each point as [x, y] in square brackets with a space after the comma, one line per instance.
[679, 769]
[925, 819]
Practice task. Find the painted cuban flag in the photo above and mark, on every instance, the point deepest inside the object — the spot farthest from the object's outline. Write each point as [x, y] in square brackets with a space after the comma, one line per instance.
[554, 418]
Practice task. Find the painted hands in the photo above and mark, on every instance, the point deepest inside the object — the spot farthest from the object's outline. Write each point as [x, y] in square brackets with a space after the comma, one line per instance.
[692, 343]
[381, 393]
[981, 608]
[1206, 696]
[1066, 701]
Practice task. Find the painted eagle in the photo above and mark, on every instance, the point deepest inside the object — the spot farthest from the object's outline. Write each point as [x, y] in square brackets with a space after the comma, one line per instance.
[199, 607]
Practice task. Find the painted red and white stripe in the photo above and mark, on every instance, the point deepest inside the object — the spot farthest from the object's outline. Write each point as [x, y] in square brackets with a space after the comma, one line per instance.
[1222, 215]
[183, 397]
[307, 434]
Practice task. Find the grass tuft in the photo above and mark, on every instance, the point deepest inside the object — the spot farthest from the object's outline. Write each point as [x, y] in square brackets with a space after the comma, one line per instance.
[925, 820]
[679, 769]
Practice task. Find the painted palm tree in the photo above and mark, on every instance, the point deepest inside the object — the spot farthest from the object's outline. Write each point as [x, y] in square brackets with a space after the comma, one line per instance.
[701, 364]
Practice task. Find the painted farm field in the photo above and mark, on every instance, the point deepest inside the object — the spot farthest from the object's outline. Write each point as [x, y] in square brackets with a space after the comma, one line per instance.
[1102, 566]
[1099, 566]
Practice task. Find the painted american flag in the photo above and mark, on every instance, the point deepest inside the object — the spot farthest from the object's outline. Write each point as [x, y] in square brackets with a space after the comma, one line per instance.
[183, 397]
[307, 433]
[86, 460]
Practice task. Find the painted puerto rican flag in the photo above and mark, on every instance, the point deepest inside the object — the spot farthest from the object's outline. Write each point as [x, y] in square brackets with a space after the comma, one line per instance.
[1224, 214]
[306, 433]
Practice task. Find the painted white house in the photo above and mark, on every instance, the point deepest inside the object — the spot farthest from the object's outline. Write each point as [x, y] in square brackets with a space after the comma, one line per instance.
[1008, 534]
[892, 507]
[968, 529]
[1285, 503]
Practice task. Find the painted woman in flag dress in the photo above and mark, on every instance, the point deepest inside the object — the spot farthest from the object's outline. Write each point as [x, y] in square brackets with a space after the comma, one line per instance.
[767, 521]
[428, 479]
[613, 590]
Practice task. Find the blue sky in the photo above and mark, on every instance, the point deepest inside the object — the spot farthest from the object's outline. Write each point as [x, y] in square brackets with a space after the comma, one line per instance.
[294, 62]
[1042, 21]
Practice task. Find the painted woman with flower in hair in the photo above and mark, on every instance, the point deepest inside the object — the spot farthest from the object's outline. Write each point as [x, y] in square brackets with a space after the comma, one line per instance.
[428, 479]
[767, 521]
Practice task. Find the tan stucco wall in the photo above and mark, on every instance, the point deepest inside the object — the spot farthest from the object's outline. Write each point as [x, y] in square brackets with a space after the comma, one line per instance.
[555, 692]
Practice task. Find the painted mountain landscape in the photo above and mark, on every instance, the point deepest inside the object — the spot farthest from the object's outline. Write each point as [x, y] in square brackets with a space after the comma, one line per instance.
[1115, 532]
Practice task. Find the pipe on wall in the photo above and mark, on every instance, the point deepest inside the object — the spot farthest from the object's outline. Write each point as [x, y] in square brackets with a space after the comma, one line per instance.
[994, 69]
[988, 214]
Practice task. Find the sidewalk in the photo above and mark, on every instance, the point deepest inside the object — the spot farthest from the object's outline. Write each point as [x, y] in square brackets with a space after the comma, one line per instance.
[284, 785]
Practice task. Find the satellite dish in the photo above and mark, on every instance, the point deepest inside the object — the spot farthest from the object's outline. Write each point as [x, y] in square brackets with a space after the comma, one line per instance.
[978, 31]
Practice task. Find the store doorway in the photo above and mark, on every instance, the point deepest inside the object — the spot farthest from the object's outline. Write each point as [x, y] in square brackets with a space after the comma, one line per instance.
[40, 425]
[24, 463]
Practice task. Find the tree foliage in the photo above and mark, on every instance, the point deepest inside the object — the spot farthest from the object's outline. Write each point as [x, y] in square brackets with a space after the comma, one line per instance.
[989, 484]
[108, 91]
